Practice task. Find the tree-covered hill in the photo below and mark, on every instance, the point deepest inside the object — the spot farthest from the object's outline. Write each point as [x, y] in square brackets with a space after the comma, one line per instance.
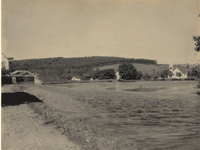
[64, 67]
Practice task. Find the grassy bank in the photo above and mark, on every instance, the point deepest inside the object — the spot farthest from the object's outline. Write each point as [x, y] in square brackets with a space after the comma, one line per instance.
[87, 134]
[48, 80]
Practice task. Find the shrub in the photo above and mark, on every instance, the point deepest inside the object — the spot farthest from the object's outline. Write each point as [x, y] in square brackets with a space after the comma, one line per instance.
[139, 75]
[69, 77]
[105, 74]
[4, 71]
[147, 76]
[198, 86]
[196, 71]
[165, 73]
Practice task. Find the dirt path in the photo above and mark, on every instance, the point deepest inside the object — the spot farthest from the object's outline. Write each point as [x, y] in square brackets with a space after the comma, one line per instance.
[22, 129]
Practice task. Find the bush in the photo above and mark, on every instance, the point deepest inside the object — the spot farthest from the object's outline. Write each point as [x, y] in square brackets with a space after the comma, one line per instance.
[198, 92]
[105, 74]
[198, 86]
[147, 77]
[196, 71]
[165, 74]
[69, 77]
[4, 71]
[190, 78]
[139, 75]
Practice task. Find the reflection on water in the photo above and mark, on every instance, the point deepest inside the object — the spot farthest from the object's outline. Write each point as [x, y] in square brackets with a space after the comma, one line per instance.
[168, 118]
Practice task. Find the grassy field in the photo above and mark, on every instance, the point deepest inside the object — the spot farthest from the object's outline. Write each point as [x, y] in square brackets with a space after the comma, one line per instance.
[140, 67]
[156, 115]
[145, 68]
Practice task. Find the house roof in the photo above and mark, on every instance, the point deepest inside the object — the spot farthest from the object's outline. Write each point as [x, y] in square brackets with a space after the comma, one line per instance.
[10, 58]
[182, 69]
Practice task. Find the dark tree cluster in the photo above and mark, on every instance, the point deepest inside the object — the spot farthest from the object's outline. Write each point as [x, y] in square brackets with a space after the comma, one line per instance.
[129, 72]
[197, 43]
[164, 74]
[105, 74]
[195, 72]
[4, 71]
[147, 76]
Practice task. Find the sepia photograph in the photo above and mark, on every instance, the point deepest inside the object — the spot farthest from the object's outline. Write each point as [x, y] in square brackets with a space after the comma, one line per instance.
[100, 74]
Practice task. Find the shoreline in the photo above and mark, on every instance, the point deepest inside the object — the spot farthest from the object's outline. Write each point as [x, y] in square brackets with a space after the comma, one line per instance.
[25, 128]
[77, 131]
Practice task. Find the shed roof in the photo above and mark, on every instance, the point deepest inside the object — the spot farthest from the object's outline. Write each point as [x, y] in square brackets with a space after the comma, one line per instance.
[9, 58]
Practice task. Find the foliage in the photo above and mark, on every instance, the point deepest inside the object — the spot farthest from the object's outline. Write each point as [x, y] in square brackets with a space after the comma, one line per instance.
[128, 72]
[69, 77]
[198, 86]
[170, 74]
[105, 74]
[187, 66]
[189, 74]
[63, 67]
[139, 75]
[197, 43]
[165, 73]
[4, 71]
[196, 71]
[147, 77]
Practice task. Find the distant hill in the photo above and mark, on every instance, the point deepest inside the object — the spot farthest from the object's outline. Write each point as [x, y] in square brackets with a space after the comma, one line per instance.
[63, 67]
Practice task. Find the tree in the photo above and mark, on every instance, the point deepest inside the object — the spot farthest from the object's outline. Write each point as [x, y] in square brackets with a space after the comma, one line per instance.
[164, 73]
[139, 75]
[170, 74]
[147, 76]
[197, 49]
[187, 66]
[3, 71]
[105, 74]
[197, 43]
[196, 71]
[127, 71]
[102, 77]
[110, 73]
[189, 74]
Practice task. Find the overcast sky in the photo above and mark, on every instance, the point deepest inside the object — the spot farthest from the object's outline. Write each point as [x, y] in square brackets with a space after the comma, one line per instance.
[151, 29]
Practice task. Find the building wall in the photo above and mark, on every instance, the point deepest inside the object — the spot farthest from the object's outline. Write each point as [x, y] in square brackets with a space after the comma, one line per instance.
[183, 75]
[75, 79]
[4, 62]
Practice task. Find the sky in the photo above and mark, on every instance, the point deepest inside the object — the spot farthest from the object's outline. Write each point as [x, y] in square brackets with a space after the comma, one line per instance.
[151, 29]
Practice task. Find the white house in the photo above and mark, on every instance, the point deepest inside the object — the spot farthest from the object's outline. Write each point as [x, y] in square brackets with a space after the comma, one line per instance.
[5, 61]
[75, 79]
[178, 70]
[117, 74]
